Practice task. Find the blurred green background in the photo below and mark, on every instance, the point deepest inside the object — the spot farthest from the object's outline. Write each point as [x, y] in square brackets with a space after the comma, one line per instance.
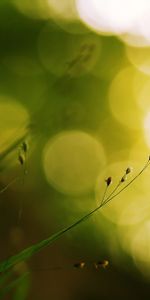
[80, 99]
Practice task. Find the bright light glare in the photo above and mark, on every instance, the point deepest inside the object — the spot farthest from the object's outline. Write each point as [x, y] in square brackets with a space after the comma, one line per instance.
[111, 16]
[139, 35]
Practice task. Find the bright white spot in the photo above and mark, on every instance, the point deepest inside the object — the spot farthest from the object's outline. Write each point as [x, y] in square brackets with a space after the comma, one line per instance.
[134, 39]
[111, 16]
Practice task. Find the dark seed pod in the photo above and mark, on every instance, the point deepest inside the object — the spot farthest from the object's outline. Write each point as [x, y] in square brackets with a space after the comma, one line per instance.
[79, 265]
[128, 170]
[108, 181]
[124, 178]
[24, 147]
[21, 159]
[101, 264]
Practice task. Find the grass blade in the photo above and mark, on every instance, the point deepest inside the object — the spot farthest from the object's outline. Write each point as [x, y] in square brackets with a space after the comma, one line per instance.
[28, 252]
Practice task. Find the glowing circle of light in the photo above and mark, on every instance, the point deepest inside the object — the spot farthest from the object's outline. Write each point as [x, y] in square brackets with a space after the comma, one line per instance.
[64, 9]
[140, 58]
[72, 161]
[111, 16]
[143, 92]
[35, 9]
[123, 101]
[140, 248]
[140, 152]
[64, 14]
[134, 39]
[139, 33]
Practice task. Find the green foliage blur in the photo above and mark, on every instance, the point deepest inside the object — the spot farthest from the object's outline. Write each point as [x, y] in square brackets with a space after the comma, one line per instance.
[72, 95]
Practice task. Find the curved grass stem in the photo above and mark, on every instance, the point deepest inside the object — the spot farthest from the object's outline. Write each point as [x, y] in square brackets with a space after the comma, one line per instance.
[104, 195]
[112, 193]
[8, 185]
[28, 252]
[128, 184]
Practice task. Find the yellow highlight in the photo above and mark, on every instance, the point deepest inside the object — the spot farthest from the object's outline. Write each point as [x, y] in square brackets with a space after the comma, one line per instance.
[140, 151]
[140, 248]
[123, 99]
[63, 9]
[72, 161]
[14, 119]
[134, 39]
[135, 241]
[62, 12]
[140, 58]
[141, 243]
[36, 9]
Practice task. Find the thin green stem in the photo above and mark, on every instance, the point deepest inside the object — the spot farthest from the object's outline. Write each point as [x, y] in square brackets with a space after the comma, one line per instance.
[104, 195]
[12, 146]
[129, 183]
[8, 185]
[28, 252]
[20, 213]
[112, 193]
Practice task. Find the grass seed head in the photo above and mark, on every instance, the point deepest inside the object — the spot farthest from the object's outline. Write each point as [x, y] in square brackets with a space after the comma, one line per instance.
[79, 265]
[101, 264]
[108, 181]
[128, 170]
